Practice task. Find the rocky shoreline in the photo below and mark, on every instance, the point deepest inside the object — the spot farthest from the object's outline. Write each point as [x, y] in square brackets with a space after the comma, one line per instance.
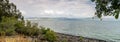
[72, 38]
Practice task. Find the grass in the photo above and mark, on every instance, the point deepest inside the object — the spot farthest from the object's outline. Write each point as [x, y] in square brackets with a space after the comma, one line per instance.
[17, 38]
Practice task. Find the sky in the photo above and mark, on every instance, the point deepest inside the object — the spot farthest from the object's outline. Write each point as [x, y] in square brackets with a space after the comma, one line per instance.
[56, 8]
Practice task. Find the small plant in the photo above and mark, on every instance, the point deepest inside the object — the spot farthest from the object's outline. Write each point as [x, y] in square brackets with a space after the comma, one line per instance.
[81, 38]
[49, 35]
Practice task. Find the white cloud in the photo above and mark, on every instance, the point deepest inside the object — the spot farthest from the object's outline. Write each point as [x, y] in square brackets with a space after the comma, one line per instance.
[53, 12]
[56, 8]
[23, 12]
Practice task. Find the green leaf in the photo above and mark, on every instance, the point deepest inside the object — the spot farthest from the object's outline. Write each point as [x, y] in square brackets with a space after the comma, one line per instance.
[99, 15]
[116, 16]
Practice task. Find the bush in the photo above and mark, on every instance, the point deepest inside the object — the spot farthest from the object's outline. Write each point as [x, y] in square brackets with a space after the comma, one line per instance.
[50, 35]
[43, 30]
[11, 26]
[7, 25]
[32, 31]
[29, 29]
[81, 38]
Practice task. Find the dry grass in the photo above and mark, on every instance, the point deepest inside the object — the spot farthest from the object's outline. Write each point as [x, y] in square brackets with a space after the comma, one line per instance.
[15, 39]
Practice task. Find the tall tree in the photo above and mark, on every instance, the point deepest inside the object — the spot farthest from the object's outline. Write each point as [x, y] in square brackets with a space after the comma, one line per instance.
[107, 8]
[8, 9]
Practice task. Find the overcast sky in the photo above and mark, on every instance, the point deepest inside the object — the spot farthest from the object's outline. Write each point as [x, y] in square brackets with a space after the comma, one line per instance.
[56, 8]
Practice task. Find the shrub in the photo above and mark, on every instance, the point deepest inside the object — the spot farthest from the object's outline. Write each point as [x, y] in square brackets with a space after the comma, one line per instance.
[50, 35]
[32, 32]
[43, 30]
[7, 25]
[20, 28]
[27, 29]
[81, 38]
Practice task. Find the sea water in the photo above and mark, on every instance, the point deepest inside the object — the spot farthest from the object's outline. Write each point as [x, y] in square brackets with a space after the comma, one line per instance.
[91, 28]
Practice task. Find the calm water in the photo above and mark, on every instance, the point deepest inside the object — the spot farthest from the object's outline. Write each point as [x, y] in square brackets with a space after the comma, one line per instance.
[106, 30]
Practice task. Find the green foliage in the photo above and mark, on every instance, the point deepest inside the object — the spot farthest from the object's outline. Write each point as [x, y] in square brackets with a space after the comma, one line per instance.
[7, 25]
[8, 9]
[10, 26]
[9, 16]
[43, 30]
[81, 38]
[2, 33]
[29, 29]
[48, 34]
[107, 8]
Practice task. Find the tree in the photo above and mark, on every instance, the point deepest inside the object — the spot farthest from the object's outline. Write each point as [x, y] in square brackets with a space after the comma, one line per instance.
[12, 22]
[107, 8]
[8, 9]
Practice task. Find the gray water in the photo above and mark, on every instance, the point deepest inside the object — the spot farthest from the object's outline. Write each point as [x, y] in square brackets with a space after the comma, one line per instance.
[105, 30]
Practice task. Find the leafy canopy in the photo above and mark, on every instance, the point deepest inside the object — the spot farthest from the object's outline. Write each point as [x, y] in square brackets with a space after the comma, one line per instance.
[107, 8]
[8, 9]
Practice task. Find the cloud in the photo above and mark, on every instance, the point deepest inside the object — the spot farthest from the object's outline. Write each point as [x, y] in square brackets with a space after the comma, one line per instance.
[56, 8]
[53, 12]
[23, 12]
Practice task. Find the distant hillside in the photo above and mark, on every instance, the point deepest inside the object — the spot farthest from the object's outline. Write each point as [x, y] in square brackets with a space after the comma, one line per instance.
[65, 18]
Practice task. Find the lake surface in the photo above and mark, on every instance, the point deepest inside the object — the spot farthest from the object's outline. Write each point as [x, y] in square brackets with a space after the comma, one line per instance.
[92, 28]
